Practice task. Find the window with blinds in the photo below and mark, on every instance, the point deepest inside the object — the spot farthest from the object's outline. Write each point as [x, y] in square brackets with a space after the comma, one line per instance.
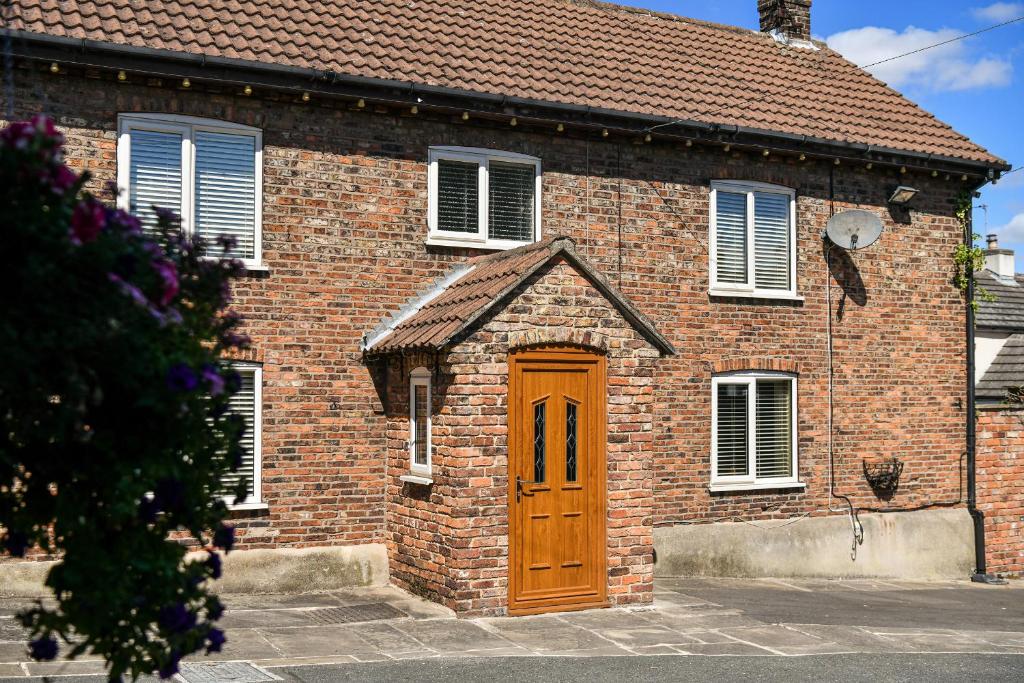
[754, 430]
[246, 403]
[753, 239]
[225, 182]
[207, 172]
[419, 421]
[483, 198]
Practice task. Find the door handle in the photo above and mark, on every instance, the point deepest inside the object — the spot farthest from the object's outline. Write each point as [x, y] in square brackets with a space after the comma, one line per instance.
[519, 487]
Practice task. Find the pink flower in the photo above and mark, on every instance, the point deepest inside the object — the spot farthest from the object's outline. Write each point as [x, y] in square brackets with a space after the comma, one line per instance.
[168, 275]
[87, 222]
[62, 179]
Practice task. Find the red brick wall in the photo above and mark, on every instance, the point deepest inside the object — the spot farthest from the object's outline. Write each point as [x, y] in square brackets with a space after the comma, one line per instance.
[1001, 487]
[344, 224]
[451, 541]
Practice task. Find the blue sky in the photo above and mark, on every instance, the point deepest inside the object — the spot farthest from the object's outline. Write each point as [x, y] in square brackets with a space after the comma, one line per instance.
[975, 85]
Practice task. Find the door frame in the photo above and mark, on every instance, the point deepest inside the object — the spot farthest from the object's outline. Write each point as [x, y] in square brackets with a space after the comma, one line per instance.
[553, 356]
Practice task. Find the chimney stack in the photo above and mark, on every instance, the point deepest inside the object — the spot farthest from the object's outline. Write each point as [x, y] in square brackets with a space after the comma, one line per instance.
[789, 19]
[999, 261]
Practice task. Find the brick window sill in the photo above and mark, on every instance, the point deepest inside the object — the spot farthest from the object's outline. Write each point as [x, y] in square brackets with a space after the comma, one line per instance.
[758, 486]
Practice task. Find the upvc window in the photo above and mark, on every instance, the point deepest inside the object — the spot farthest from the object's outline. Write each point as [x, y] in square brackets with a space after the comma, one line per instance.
[753, 240]
[419, 422]
[208, 172]
[753, 431]
[248, 403]
[483, 198]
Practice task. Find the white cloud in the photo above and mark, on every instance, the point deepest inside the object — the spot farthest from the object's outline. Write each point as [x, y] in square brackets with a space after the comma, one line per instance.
[946, 68]
[1012, 231]
[999, 11]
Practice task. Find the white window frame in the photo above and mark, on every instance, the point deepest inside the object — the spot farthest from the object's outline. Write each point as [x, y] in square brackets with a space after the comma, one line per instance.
[751, 481]
[420, 377]
[187, 126]
[481, 157]
[255, 501]
[747, 289]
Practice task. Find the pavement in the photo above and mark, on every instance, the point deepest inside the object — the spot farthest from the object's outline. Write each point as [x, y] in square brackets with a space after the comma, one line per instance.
[715, 628]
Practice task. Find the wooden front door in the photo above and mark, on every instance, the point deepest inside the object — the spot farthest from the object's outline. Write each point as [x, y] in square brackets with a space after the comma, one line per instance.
[556, 480]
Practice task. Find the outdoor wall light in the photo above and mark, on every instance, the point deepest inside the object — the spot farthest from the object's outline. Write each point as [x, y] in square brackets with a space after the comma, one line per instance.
[902, 195]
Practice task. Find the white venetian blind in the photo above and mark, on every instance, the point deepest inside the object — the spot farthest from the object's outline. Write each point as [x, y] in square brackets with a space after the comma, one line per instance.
[458, 196]
[225, 185]
[511, 201]
[732, 430]
[731, 237]
[155, 174]
[771, 241]
[243, 403]
[774, 439]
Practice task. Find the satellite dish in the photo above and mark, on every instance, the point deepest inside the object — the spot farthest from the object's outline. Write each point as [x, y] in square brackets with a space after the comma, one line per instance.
[854, 229]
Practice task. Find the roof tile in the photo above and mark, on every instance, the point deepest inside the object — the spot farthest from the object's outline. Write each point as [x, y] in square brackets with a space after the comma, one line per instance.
[568, 51]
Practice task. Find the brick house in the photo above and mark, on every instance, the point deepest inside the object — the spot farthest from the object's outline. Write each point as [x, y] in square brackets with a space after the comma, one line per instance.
[539, 295]
[999, 371]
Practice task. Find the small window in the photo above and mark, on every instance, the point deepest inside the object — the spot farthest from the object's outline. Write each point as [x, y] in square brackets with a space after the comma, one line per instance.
[753, 240]
[753, 441]
[207, 172]
[483, 198]
[419, 421]
[247, 402]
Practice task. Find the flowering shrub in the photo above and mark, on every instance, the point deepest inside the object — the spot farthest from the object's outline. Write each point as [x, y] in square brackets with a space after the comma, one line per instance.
[114, 428]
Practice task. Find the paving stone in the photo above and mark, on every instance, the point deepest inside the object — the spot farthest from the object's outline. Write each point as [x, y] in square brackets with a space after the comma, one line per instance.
[451, 636]
[775, 637]
[13, 652]
[387, 639]
[241, 644]
[223, 672]
[545, 634]
[730, 648]
[687, 622]
[267, 617]
[65, 668]
[655, 650]
[11, 670]
[645, 636]
[320, 641]
[606, 618]
[278, 601]
[850, 638]
[12, 631]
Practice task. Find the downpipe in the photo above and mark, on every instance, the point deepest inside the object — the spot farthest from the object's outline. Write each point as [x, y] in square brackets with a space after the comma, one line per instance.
[980, 574]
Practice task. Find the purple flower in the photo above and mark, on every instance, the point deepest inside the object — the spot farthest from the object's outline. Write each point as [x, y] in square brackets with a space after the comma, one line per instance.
[170, 667]
[43, 649]
[224, 537]
[62, 180]
[129, 289]
[214, 609]
[127, 222]
[87, 222]
[166, 216]
[182, 378]
[111, 188]
[168, 275]
[16, 543]
[236, 341]
[213, 379]
[213, 562]
[176, 618]
[226, 242]
[216, 638]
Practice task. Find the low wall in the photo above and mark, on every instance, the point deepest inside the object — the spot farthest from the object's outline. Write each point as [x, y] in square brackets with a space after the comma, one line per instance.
[284, 570]
[1001, 487]
[910, 545]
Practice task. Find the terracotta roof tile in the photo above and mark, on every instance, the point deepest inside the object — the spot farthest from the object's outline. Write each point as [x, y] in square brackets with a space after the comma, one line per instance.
[569, 51]
[431, 321]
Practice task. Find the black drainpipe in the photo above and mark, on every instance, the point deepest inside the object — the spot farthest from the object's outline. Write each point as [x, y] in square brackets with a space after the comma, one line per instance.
[980, 574]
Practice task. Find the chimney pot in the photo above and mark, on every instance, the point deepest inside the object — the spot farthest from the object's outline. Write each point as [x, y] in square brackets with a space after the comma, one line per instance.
[790, 18]
[999, 261]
